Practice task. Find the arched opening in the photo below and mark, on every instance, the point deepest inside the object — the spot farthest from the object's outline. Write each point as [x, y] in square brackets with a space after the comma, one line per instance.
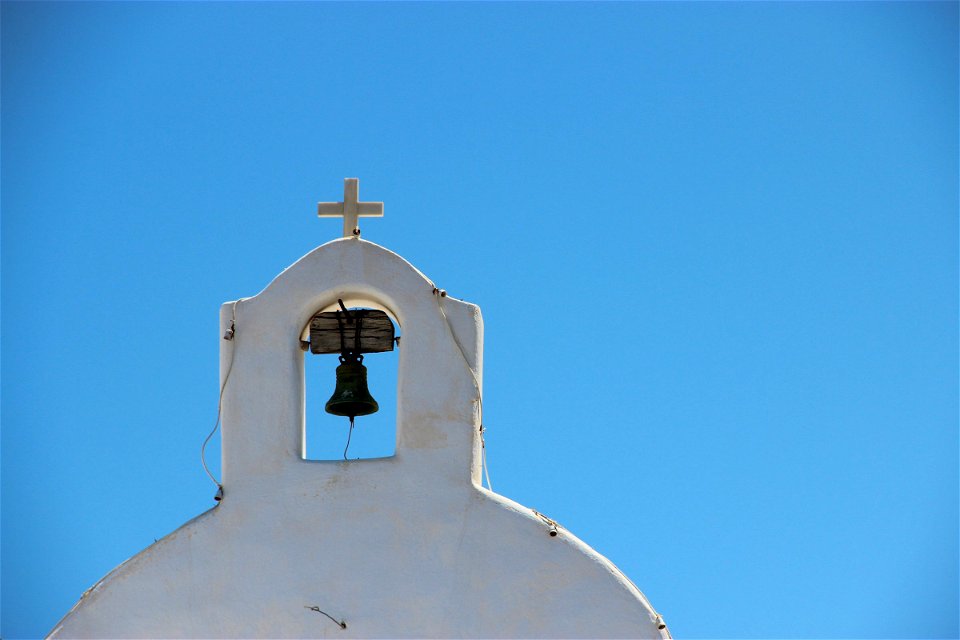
[329, 437]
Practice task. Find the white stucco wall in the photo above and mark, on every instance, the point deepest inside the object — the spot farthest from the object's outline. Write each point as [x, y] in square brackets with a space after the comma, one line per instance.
[406, 546]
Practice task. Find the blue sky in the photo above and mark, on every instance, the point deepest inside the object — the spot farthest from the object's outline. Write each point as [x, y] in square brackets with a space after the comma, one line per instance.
[715, 246]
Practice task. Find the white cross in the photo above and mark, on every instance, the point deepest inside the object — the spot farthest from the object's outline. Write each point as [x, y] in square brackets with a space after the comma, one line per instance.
[351, 209]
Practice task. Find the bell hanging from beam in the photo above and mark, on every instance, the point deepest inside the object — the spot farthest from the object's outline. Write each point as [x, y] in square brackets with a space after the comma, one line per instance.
[351, 398]
[351, 333]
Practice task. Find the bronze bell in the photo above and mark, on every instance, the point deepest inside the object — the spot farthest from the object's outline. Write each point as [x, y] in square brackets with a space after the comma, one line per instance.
[351, 398]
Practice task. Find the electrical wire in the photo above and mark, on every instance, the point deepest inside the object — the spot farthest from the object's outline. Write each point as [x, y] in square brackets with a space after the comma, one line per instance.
[229, 335]
[440, 293]
[342, 623]
[483, 445]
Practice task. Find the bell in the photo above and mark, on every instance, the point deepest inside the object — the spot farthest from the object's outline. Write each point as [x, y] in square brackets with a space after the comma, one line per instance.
[351, 398]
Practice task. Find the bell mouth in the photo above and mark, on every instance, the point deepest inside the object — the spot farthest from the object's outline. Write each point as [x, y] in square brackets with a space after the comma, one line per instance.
[352, 410]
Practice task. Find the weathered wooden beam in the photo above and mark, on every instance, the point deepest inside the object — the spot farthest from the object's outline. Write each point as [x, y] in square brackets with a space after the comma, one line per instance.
[376, 331]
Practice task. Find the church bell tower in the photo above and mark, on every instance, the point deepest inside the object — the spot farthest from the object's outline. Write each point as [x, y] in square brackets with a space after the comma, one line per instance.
[411, 545]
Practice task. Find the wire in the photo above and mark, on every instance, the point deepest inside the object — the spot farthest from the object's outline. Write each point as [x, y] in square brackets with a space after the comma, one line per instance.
[342, 623]
[203, 448]
[555, 526]
[483, 454]
[440, 293]
[349, 435]
[661, 625]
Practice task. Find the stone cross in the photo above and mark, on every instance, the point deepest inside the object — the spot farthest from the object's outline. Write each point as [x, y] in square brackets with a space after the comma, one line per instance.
[351, 209]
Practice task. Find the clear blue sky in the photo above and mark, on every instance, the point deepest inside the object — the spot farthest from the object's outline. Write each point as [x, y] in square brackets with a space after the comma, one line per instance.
[715, 245]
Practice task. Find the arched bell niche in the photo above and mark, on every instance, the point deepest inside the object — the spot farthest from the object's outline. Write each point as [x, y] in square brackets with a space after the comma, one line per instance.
[328, 437]
[439, 372]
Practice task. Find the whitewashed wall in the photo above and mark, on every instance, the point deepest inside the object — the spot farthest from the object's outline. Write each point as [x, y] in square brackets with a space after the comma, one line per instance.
[406, 546]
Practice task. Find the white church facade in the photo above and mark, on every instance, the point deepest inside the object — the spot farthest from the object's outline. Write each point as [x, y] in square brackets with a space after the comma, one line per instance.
[409, 546]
